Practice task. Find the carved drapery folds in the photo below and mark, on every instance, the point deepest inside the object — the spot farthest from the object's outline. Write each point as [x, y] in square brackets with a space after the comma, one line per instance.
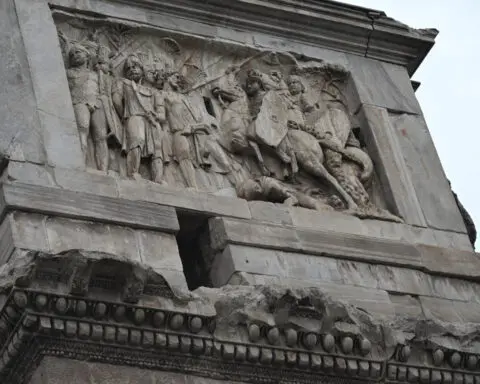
[204, 115]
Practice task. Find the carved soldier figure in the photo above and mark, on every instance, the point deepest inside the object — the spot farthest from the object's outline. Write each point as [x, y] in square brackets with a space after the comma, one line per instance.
[347, 166]
[184, 121]
[143, 112]
[297, 94]
[269, 109]
[266, 188]
[91, 112]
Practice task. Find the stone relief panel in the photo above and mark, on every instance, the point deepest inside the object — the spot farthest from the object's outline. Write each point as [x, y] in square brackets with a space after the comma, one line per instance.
[215, 117]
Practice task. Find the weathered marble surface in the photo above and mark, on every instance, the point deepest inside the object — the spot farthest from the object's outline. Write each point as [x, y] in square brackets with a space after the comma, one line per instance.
[239, 264]
[21, 136]
[393, 92]
[428, 177]
[382, 85]
[203, 203]
[56, 235]
[55, 112]
[392, 168]
[53, 370]
[224, 232]
[277, 269]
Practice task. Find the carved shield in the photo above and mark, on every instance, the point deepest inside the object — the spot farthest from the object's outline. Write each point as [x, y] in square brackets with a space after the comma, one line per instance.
[271, 121]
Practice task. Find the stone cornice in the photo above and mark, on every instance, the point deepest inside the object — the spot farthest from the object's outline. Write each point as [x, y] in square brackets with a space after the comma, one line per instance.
[34, 324]
[327, 24]
[56, 306]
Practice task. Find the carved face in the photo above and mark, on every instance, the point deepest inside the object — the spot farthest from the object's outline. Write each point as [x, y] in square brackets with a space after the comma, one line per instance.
[133, 69]
[78, 56]
[174, 81]
[253, 86]
[151, 76]
[252, 190]
[295, 86]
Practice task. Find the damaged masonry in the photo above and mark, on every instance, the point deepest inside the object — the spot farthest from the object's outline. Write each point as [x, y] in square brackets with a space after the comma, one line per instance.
[201, 192]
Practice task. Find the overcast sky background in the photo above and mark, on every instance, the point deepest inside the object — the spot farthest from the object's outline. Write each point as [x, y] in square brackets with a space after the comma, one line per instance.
[450, 86]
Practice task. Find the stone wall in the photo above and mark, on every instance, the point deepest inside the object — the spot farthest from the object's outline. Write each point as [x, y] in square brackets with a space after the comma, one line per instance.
[225, 191]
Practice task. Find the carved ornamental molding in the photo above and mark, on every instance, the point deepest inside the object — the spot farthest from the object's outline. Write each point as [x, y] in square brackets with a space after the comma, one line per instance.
[40, 317]
[327, 24]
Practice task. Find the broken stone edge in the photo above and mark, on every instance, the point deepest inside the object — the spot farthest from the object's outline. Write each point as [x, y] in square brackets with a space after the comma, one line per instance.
[211, 332]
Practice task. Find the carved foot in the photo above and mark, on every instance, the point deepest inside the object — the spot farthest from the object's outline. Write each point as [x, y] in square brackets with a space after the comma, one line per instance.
[161, 182]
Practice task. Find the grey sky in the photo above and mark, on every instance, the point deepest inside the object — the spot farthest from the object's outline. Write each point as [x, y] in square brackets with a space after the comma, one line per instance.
[450, 91]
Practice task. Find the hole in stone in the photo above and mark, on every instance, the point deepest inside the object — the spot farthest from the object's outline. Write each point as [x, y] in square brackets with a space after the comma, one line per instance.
[192, 241]
[358, 135]
[209, 106]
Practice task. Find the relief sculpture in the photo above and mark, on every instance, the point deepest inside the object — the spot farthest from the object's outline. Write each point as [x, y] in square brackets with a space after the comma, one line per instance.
[202, 115]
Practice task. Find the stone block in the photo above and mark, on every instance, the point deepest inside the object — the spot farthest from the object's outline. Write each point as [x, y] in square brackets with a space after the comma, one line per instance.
[403, 280]
[184, 200]
[375, 301]
[358, 247]
[236, 258]
[455, 289]
[67, 234]
[55, 201]
[343, 223]
[382, 85]
[29, 173]
[428, 178]
[89, 182]
[270, 212]
[388, 278]
[450, 311]
[29, 231]
[45, 60]
[343, 245]
[450, 262]
[176, 281]
[326, 221]
[386, 152]
[406, 306]
[52, 95]
[61, 141]
[20, 135]
[158, 250]
[359, 274]
[225, 230]
[455, 240]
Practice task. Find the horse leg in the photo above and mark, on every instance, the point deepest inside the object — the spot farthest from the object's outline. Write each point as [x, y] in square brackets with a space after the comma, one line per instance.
[259, 157]
[317, 169]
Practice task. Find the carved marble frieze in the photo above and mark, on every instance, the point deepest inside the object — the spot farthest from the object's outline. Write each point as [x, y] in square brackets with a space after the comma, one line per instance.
[248, 334]
[210, 116]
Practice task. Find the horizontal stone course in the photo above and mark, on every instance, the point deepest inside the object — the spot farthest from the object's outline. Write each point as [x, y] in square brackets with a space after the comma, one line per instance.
[56, 235]
[55, 201]
[318, 242]
[242, 260]
[95, 182]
